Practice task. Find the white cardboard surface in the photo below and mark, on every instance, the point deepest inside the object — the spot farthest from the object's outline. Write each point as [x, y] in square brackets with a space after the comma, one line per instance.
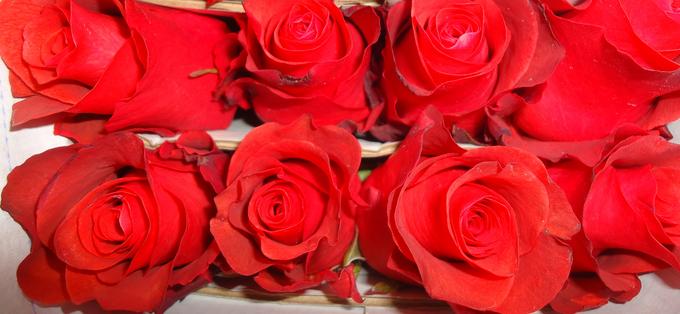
[660, 294]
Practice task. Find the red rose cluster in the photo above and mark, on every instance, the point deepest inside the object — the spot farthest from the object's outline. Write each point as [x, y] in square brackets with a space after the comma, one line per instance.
[569, 193]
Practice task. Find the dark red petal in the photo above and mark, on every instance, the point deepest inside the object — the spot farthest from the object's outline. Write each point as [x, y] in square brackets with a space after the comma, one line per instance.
[19, 88]
[25, 185]
[294, 280]
[345, 286]
[140, 291]
[41, 277]
[83, 129]
[36, 107]
[328, 255]
[581, 293]
[188, 273]
[625, 286]
[278, 106]
[242, 254]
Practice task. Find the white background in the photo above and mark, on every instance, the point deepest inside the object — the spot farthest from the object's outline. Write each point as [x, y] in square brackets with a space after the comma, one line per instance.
[660, 294]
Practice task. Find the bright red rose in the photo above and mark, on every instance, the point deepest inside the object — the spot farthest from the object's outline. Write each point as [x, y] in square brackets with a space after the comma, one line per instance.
[456, 55]
[307, 57]
[633, 27]
[127, 61]
[619, 69]
[484, 229]
[629, 206]
[287, 214]
[115, 223]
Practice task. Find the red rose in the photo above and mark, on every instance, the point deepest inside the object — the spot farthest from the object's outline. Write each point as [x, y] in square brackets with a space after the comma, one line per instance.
[633, 27]
[616, 71]
[287, 215]
[105, 58]
[456, 55]
[631, 222]
[484, 229]
[115, 223]
[307, 57]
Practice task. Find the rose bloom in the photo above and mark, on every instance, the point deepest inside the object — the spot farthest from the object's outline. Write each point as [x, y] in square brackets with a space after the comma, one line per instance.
[115, 223]
[484, 229]
[307, 57]
[619, 69]
[129, 61]
[287, 214]
[629, 206]
[456, 55]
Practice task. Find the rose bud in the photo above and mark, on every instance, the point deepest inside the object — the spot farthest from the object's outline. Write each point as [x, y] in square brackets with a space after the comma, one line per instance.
[629, 206]
[287, 214]
[106, 58]
[484, 229]
[307, 57]
[115, 223]
[618, 69]
[456, 55]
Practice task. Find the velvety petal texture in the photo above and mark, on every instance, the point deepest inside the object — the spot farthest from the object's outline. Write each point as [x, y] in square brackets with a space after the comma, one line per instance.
[115, 223]
[619, 69]
[456, 55]
[287, 214]
[633, 188]
[112, 58]
[488, 219]
[307, 57]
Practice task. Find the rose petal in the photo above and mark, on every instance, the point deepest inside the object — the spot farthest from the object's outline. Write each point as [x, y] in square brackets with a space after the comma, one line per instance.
[99, 162]
[42, 268]
[160, 31]
[15, 15]
[20, 196]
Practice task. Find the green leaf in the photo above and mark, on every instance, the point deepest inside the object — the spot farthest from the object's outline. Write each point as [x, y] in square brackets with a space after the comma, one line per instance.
[383, 287]
[363, 174]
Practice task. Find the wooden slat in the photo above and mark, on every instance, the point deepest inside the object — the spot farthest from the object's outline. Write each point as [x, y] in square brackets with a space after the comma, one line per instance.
[235, 6]
[419, 301]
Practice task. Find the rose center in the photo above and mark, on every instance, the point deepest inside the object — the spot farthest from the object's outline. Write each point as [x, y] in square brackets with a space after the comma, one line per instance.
[675, 5]
[456, 29]
[303, 24]
[451, 33]
[277, 209]
[108, 224]
[481, 227]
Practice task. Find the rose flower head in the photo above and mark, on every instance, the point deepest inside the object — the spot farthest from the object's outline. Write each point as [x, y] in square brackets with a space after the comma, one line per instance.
[115, 223]
[484, 229]
[287, 214]
[103, 66]
[621, 67]
[307, 57]
[457, 55]
[629, 206]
